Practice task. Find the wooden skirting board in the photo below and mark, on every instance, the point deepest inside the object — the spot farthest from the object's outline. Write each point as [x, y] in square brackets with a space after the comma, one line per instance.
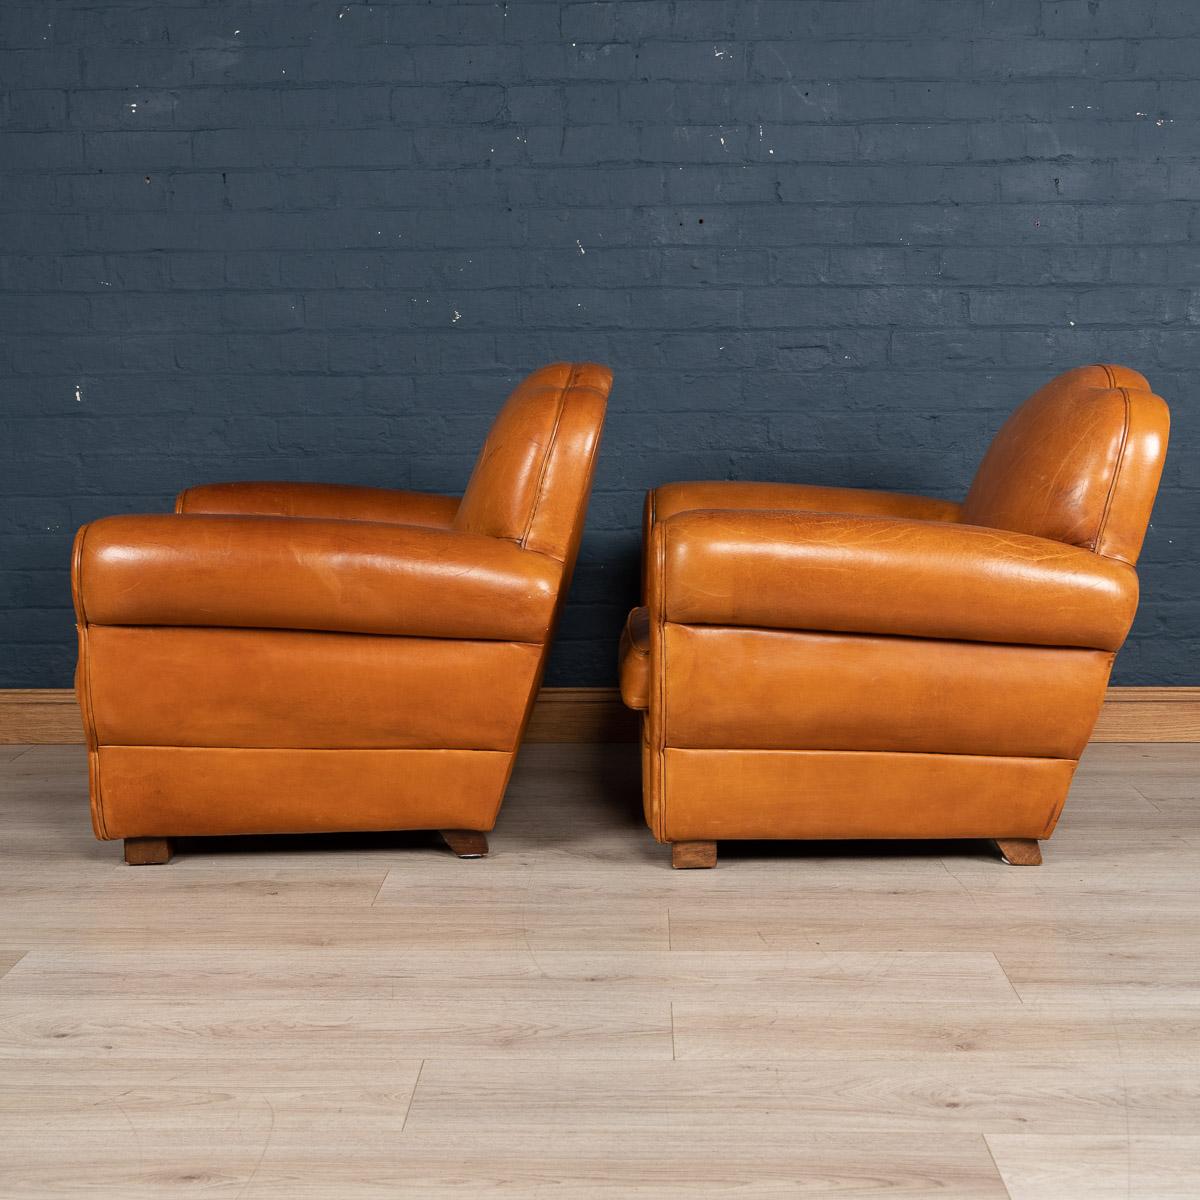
[1130, 714]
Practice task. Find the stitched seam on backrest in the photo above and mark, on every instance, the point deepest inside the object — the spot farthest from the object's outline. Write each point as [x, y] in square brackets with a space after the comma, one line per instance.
[1112, 486]
[537, 498]
[660, 567]
[78, 565]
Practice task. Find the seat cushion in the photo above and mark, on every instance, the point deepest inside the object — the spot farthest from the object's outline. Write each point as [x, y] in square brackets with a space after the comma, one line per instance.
[337, 502]
[634, 660]
[673, 498]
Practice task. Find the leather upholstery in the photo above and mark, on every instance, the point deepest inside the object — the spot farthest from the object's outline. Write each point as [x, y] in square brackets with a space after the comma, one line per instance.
[672, 498]
[280, 657]
[264, 689]
[525, 486]
[834, 663]
[337, 501]
[634, 660]
[1079, 462]
[859, 794]
[301, 573]
[802, 570]
[156, 791]
[906, 694]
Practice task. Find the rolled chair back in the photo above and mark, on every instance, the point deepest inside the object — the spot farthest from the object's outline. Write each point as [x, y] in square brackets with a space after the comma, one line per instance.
[533, 476]
[1078, 462]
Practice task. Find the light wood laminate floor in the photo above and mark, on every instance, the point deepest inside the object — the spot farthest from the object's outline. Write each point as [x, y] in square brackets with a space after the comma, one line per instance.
[371, 1017]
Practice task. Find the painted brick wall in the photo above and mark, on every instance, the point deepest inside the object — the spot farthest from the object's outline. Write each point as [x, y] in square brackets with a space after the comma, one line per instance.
[821, 240]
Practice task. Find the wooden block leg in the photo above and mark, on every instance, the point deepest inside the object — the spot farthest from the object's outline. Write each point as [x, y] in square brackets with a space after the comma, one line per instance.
[466, 843]
[1019, 852]
[147, 852]
[686, 855]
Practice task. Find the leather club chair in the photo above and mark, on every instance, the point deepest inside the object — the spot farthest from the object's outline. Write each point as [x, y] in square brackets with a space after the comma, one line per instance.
[818, 662]
[303, 658]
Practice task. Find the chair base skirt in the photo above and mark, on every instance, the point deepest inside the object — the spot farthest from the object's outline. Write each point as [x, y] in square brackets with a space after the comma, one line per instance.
[143, 793]
[710, 795]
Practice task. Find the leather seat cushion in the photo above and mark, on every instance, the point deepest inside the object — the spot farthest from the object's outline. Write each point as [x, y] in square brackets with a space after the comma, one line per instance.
[670, 498]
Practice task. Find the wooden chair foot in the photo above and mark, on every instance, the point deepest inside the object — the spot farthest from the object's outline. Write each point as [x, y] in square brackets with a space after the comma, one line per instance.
[689, 855]
[147, 852]
[1019, 852]
[466, 843]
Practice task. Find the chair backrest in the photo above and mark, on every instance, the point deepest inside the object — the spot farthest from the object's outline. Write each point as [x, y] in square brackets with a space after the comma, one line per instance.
[533, 476]
[1078, 462]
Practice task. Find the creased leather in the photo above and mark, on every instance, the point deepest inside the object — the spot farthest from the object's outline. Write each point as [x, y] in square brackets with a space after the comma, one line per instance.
[887, 575]
[833, 663]
[525, 483]
[1079, 462]
[291, 573]
[285, 658]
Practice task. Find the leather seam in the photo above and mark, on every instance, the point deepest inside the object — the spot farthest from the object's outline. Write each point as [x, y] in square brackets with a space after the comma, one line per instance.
[94, 765]
[1112, 486]
[356, 633]
[78, 565]
[1056, 812]
[313, 749]
[661, 748]
[93, 736]
[87, 705]
[541, 484]
[807, 631]
[85, 686]
[94, 747]
[1040, 758]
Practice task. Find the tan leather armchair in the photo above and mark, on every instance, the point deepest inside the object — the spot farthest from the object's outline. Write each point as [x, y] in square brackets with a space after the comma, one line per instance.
[301, 658]
[822, 662]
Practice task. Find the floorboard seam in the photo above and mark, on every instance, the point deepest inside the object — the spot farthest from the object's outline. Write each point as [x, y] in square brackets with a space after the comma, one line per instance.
[999, 1173]
[412, 1096]
[1007, 977]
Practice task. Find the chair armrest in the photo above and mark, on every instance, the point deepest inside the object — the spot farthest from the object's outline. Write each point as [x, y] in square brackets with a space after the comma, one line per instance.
[332, 500]
[633, 660]
[293, 573]
[887, 575]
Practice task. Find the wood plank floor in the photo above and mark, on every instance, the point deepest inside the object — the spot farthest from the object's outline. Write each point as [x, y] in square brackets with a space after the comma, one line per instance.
[371, 1017]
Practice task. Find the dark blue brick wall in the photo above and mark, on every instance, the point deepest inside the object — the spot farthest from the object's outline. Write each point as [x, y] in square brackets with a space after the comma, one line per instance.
[821, 240]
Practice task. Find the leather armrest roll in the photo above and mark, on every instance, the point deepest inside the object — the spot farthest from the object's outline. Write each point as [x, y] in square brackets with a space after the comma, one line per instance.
[290, 573]
[633, 660]
[887, 575]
